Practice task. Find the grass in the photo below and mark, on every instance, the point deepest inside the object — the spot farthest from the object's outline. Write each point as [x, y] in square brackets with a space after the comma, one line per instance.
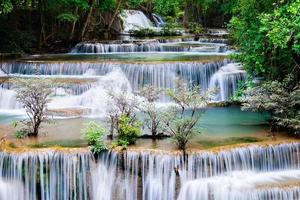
[227, 141]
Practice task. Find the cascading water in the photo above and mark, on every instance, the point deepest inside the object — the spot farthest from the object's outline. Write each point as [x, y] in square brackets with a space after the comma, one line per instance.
[241, 185]
[254, 172]
[152, 46]
[109, 75]
[160, 75]
[226, 79]
[46, 175]
[159, 21]
[86, 82]
[134, 19]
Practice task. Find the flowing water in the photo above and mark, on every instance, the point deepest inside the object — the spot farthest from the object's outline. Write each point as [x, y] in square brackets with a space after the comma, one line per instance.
[255, 172]
[134, 19]
[134, 64]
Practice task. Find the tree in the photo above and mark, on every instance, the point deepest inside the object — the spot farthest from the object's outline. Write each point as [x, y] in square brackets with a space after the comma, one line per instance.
[281, 99]
[182, 124]
[34, 95]
[123, 103]
[267, 35]
[149, 107]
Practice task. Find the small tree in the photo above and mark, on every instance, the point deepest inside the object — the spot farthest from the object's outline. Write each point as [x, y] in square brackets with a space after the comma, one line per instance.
[182, 124]
[123, 106]
[149, 107]
[34, 95]
[94, 134]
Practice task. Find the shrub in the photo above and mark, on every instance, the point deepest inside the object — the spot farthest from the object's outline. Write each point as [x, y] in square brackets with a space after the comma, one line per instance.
[129, 129]
[195, 28]
[94, 134]
[20, 134]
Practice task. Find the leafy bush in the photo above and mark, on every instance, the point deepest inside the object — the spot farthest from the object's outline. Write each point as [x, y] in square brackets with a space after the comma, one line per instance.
[129, 129]
[195, 28]
[94, 134]
[281, 99]
[20, 134]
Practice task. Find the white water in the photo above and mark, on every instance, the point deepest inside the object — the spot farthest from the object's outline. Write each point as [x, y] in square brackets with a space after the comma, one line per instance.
[159, 21]
[153, 46]
[226, 79]
[244, 173]
[135, 19]
[93, 96]
[95, 99]
[241, 185]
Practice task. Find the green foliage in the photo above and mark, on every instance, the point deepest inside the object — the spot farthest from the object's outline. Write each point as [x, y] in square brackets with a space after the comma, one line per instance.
[167, 7]
[267, 36]
[107, 5]
[94, 134]
[5, 7]
[195, 28]
[129, 129]
[281, 99]
[67, 17]
[241, 92]
[21, 134]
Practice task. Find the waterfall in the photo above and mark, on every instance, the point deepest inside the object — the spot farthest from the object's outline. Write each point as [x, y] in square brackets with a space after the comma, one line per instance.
[217, 32]
[158, 74]
[227, 79]
[241, 185]
[159, 21]
[87, 82]
[150, 175]
[153, 46]
[47, 175]
[133, 19]
[214, 40]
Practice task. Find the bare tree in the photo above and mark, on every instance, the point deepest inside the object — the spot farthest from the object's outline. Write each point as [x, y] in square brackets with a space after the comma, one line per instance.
[182, 120]
[123, 103]
[34, 95]
[149, 107]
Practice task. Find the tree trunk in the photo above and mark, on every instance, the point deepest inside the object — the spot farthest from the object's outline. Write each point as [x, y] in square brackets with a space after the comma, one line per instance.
[87, 21]
[186, 15]
[114, 16]
[42, 32]
[73, 25]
